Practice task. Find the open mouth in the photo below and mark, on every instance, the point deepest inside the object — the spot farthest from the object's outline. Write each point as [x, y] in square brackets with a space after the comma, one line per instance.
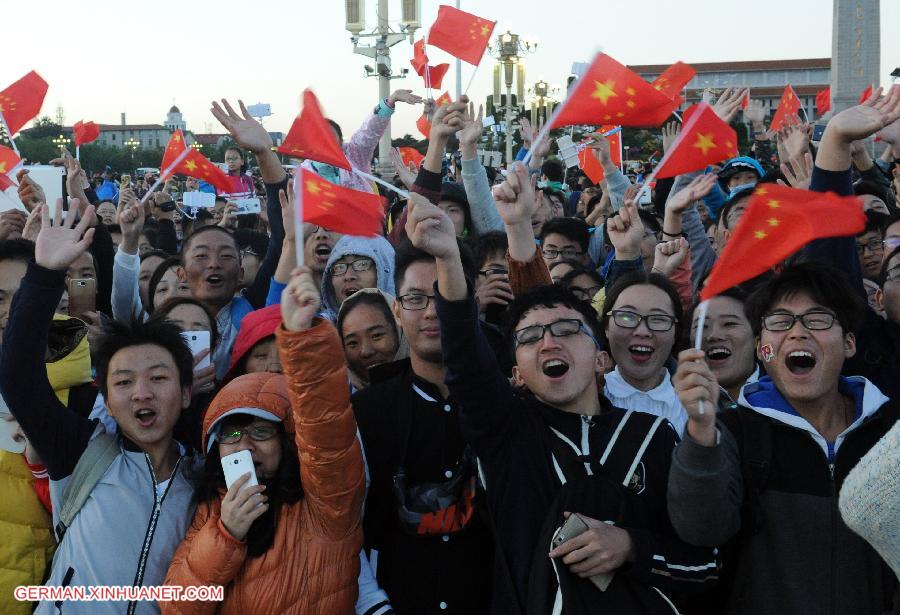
[214, 280]
[145, 417]
[323, 250]
[718, 355]
[800, 362]
[349, 290]
[555, 368]
[640, 353]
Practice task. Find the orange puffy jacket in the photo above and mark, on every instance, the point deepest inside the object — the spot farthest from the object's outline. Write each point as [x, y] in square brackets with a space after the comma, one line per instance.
[313, 564]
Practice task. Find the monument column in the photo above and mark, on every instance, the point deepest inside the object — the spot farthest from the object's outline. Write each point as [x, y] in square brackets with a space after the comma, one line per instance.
[855, 50]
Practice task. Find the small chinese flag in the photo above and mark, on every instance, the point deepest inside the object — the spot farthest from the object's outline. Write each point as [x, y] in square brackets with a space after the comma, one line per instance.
[778, 222]
[673, 79]
[704, 139]
[411, 154]
[443, 99]
[193, 164]
[424, 125]
[311, 136]
[612, 93]
[788, 106]
[461, 34]
[866, 94]
[22, 101]
[436, 75]
[419, 60]
[85, 132]
[823, 101]
[342, 210]
[745, 101]
[589, 162]
[9, 160]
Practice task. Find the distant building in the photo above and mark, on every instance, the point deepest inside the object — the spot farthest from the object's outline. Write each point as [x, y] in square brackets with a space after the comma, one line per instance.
[765, 78]
[174, 121]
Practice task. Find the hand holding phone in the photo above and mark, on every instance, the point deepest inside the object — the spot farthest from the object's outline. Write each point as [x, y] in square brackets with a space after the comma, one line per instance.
[573, 527]
[82, 296]
[236, 465]
[244, 503]
[198, 341]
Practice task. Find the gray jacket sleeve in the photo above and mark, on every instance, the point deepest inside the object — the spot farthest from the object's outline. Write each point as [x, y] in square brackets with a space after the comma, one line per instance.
[126, 296]
[617, 183]
[481, 201]
[706, 491]
[703, 257]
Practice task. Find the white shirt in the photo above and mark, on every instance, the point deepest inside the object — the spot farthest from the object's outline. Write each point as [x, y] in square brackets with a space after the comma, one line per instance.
[662, 401]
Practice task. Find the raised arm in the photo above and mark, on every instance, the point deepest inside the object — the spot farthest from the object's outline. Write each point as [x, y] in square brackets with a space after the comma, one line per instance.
[126, 296]
[475, 181]
[58, 435]
[362, 144]
[331, 463]
[682, 217]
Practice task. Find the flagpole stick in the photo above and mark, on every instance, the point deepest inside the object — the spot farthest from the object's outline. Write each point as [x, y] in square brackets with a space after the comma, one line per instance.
[12, 141]
[381, 182]
[300, 239]
[698, 337]
[165, 174]
[427, 67]
[471, 79]
[78, 153]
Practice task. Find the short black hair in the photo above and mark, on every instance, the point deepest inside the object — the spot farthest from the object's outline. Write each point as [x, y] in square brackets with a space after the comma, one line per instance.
[256, 242]
[553, 170]
[568, 278]
[574, 229]
[894, 218]
[651, 279]
[16, 250]
[730, 203]
[159, 253]
[163, 311]
[870, 188]
[547, 296]
[118, 335]
[337, 129]
[209, 228]
[875, 221]
[486, 245]
[407, 254]
[827, 286]
[650, 221]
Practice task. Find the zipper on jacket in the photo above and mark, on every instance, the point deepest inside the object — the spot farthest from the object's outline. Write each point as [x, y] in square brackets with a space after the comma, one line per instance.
[151, 527]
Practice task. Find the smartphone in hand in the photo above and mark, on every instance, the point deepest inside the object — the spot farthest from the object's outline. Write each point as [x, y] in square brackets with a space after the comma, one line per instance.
[82, 296]
[236, 465]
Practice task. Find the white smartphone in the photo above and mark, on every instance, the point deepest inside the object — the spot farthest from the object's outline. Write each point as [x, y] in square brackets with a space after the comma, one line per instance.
[248, 206]
[236, 465]
[197, 341]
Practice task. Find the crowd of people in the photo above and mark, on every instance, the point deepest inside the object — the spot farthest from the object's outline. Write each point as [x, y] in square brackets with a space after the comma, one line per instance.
[493, 407]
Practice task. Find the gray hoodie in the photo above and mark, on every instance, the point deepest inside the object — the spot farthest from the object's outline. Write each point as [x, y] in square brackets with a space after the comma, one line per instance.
[376, 248]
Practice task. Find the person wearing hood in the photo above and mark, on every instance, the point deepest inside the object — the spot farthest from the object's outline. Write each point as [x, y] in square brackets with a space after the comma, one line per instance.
[356, 263]
[290, 544]
[254, 348]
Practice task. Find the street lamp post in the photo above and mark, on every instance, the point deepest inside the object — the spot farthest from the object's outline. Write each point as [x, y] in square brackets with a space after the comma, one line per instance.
[385, 38]
[509, 48]
[61, 142]
[543, 92]
[132, 144]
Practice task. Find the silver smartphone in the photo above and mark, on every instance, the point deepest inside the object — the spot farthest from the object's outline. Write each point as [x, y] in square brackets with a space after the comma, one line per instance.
[573, 527]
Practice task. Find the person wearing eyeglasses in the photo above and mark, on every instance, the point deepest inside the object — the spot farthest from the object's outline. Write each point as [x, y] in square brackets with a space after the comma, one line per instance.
[290, 543]
[870, 245]
[552, 441]
[565, 238]
[356, 263]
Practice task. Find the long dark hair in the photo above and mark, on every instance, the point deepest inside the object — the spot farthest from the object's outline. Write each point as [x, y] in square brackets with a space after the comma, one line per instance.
[283, 488]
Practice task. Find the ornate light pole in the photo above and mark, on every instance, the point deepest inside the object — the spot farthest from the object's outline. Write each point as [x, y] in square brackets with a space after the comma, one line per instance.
[542, 103]
[132, 144]
[61, 142]
[509, 48]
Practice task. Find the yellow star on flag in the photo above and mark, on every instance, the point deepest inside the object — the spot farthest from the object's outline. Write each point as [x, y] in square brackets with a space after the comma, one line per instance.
[629, 104]
[2, 168]
[705, 143]
[176, 138]
[729, 144]
[761, 191]
[326, 204]
[773, 204]
[485, 30]
[190, 165]
[313, 188]
[760, 234]
[630, 91]
[604, 91]
[773, 221]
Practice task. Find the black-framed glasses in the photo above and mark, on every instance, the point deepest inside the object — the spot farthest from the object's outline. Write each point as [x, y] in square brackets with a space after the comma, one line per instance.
[257, 433]
[585, 294]
[565, 253]
[360, 264]
[563, 327]
[630, 320]
[873, 245]
[414, 301]
[493, 271]
[814, 320]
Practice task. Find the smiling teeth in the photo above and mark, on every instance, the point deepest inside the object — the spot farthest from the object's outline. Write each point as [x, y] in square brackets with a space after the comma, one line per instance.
[801, 353]
[642, 348]
[554, 363]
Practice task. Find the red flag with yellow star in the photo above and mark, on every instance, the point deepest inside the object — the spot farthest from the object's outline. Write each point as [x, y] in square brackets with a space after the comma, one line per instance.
[443, 99]
[311, 136]
[778, 222]
[419, 60]
[704, 139]
[788, 106]
[610, 93]
[178, 158]
[673, 79]
[9, 160]
[411, 154]
[589, 162]
[339, 209]
[22, 101]
[85, 132]
[461, 34]
[823, 101]
[424, 125]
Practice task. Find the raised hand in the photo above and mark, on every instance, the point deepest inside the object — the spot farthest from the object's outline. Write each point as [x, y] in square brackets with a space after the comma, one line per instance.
[866, 119]
[30, 192]
[246, 131]
[601, 549]
[669, 134]
[287, 212]
[796, 138]
[448, 119]
[540, 148]
[300, 300]
[600, 145]
[626, 230]
[32, 225]
[495, 291]
[798, 172]
[205, 377]
[755, 113]
[515, 198]
[670, 255]
[12, 223]
[694, 382]
[699, 187]
[891, 133]
[229, 215]
[241, 506]
[405, 96]
[526, 131]
[407, 174]
[131, 219]
[60, 244]
[472, 125]
[729, 103]
[429, 228]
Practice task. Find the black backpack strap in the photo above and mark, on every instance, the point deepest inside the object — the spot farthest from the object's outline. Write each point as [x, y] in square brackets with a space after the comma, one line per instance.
[756, 463]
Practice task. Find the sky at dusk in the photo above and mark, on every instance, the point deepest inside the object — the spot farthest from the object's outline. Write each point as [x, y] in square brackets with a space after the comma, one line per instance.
[102, 58]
